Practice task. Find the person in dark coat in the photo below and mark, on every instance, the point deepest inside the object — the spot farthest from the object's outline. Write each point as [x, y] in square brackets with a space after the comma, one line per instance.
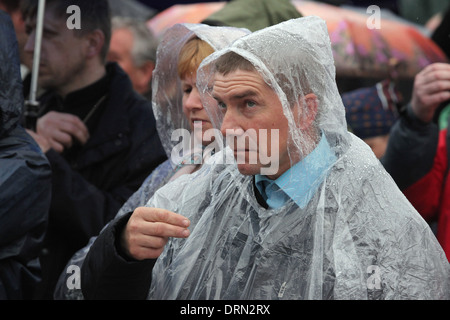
[12, 8]
[97, 132]
[25, 181]
[418, 149]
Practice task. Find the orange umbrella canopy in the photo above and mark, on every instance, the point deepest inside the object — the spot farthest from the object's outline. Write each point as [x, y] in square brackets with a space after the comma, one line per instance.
[359, 51]
[183, 13]
[394, 46]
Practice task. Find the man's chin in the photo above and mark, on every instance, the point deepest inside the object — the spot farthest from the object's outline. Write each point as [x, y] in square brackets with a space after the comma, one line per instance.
[249, 169]
[254, 169]
[46, 83]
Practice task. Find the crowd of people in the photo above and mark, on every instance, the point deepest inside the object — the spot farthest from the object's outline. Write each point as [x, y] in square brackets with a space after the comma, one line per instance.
[274, 169]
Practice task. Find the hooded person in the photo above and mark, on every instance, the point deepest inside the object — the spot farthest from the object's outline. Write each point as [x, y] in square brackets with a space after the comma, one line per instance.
[293, 207]
[175, 103]
[25, 183]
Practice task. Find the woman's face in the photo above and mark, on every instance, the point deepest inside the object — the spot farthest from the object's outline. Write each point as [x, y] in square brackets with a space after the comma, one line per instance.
[192, 106]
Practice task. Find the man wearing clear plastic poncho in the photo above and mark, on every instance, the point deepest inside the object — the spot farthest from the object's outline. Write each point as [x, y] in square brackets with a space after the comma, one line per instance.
[330, 222]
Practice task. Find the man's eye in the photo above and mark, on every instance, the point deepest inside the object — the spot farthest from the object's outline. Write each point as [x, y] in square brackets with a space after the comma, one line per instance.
[251, 104]
[222, 105]
[187, 90]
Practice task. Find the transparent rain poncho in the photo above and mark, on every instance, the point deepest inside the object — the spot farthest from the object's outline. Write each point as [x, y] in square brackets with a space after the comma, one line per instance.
[356, 236]
[167, 91]
[167, 108]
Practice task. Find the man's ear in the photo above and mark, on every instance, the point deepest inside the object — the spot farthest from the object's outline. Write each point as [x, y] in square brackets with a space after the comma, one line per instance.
[144, 75]
[306, 110]
[95, 42]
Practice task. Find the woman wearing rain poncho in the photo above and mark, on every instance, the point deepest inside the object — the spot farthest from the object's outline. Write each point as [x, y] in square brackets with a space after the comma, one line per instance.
[304, 212]
[175, 103]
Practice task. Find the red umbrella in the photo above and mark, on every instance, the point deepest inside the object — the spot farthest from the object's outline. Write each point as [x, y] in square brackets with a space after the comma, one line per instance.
[183, 13]
[361, 51]
[358, 50]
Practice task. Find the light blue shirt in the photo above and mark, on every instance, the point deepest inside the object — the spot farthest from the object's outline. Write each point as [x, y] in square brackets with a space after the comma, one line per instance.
[301, 181]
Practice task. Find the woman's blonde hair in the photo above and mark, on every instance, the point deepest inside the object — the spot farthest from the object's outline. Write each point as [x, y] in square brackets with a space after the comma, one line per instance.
[191, 55]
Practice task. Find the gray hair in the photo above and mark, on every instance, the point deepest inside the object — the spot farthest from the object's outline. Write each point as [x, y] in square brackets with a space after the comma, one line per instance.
[145, 42]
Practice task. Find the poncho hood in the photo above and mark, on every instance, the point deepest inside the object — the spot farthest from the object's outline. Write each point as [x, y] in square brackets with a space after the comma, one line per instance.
[166, 85]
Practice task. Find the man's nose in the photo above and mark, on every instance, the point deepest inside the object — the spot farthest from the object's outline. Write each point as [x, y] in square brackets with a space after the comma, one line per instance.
[230, 124]
[29, 45]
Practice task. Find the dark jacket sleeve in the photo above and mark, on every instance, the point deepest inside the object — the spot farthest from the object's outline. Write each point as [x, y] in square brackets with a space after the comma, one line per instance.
[25, 190]
[411, 150]
[107, 275]
[80, 207]
[417, 160]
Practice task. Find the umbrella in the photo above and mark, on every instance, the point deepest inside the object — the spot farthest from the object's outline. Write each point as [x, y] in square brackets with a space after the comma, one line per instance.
[32, 105]
[183, 13]
[397, 47]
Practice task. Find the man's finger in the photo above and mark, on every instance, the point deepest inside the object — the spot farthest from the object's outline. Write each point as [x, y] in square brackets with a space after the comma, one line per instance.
[165, 216]
[143, 253]
[63, 138]
[75, 127]
[55, 145]
[56, 122]
[164, 230]
[437, 98]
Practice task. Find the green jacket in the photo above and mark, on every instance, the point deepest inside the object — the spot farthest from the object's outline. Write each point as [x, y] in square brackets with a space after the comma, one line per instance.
[253, 14]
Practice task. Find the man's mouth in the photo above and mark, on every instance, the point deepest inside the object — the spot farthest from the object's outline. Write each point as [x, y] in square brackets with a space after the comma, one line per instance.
[199, 121]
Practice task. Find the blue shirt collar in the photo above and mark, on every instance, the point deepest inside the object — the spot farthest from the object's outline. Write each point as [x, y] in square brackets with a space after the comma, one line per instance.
[301, 181]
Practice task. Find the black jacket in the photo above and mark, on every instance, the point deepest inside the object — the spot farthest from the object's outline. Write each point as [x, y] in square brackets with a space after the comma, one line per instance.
[25, 184]
[107, 274]
[91, 183]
